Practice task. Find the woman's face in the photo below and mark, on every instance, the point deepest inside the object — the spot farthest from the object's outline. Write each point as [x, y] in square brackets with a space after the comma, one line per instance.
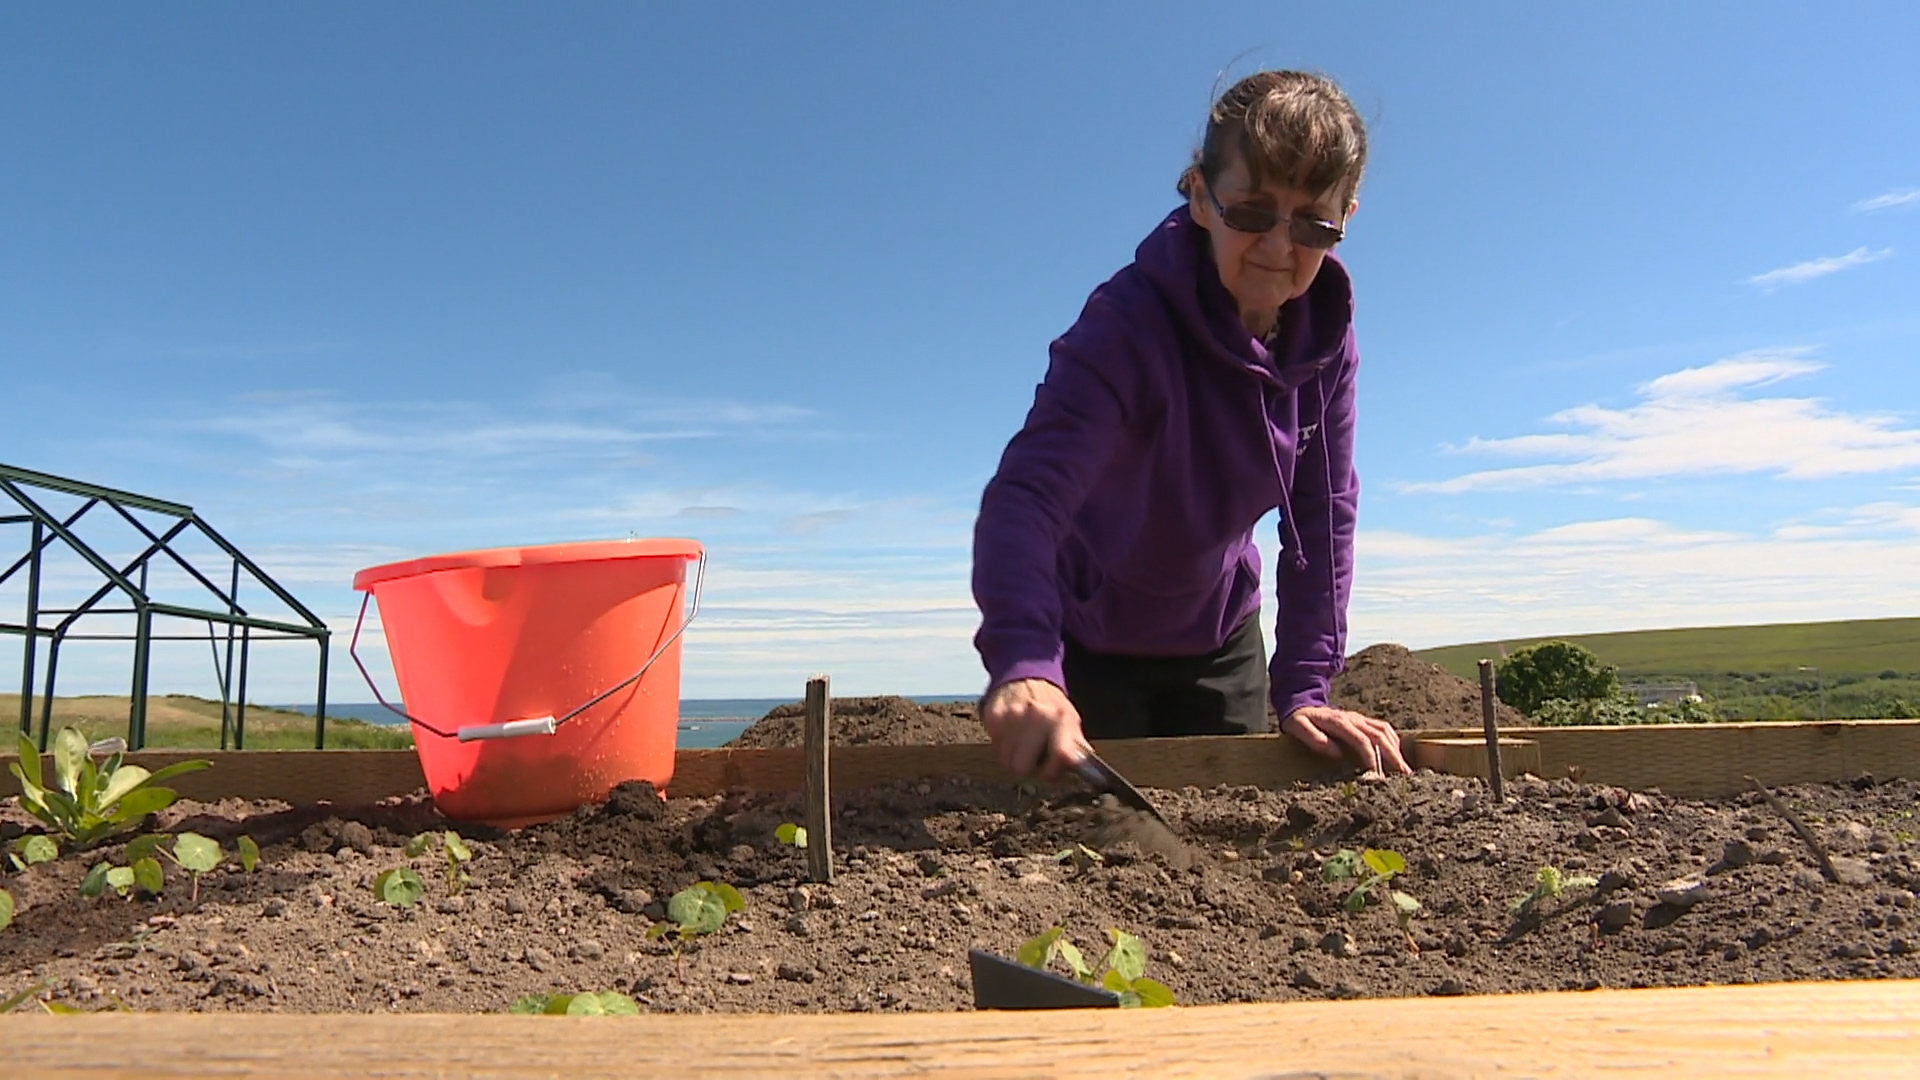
[1263, 270]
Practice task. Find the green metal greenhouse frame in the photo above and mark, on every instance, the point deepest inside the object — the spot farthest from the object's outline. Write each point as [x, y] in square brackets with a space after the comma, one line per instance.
[128, 583]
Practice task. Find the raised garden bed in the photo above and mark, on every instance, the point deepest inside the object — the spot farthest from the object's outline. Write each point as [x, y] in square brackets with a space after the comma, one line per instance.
[932, 866]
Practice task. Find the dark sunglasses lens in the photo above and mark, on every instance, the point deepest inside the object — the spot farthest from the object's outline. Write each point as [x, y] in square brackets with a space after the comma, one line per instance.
[1313, 234]
[1243, 217]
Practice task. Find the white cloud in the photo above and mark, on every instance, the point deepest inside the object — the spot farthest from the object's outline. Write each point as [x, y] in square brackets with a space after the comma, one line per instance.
[1799, 273]
[1889, 201]
[1632, 573]
[1695, 422]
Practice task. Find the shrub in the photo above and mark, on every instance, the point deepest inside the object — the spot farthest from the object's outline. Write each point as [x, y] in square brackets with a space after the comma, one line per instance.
[1542, 672]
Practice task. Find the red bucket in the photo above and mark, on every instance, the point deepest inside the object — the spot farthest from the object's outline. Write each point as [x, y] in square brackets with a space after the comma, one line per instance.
[537, 678]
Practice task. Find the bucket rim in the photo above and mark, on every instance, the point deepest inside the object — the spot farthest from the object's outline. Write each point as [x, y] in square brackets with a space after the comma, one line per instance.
[536, 555]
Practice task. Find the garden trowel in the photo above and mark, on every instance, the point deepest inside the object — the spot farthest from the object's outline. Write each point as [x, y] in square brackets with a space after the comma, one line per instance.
[1140, 822]
[999, 983]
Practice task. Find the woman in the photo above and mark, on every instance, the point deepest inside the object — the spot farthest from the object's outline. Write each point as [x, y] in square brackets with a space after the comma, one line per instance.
[1205, 384]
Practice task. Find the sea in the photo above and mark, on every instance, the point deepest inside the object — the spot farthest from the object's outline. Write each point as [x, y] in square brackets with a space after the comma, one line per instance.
[704, 722]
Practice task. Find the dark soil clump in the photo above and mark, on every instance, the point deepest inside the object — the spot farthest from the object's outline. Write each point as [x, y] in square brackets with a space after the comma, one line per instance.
[1389, 682]
[857, 721]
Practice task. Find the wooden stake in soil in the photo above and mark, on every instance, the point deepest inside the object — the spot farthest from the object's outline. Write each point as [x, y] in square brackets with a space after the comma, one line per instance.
[1494, 774]
[816, 738]
[1800, 828]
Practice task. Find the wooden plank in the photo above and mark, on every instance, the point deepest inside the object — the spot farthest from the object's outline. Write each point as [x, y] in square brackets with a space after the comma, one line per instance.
[1468, 757]
[817, 745]
[1782, 1030]
[1695, 760]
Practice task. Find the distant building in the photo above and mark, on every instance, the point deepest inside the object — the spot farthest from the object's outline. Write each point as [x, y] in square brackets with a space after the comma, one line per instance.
[1662, 693]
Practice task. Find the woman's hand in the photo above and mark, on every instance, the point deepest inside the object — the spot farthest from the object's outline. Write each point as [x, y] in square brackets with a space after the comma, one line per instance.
[1033, 726]
[1330, 731]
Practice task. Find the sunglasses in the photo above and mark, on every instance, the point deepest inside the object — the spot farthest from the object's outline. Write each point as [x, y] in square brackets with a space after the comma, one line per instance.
[1255, 218]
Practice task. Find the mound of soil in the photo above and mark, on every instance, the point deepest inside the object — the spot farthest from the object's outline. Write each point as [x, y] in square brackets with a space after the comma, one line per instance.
[1389, 682]
[888, 720]
[1686, 892]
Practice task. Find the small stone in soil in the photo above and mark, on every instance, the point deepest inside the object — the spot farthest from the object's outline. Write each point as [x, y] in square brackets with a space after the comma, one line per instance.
[1615, 916]
[273, 907]
[539, 959]
[587, 950]
[515, 905]
[795, 973]
[798, 925]
[1337, 943]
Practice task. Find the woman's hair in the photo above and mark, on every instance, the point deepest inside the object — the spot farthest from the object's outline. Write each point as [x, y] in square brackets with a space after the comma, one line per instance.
[1291, 125]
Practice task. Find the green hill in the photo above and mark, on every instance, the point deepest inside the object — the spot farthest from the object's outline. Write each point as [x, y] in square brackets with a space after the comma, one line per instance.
[1857, 647]
[1862, 668]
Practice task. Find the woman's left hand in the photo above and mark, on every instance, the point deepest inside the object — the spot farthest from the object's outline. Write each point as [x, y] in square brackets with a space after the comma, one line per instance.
[1330, 731]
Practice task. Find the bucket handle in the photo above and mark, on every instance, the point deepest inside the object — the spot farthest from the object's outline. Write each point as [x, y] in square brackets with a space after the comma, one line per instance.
[539, 725]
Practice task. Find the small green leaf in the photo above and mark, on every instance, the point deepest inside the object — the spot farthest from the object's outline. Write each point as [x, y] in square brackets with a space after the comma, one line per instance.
[417, 846]
[580, 1005]
[614, 1003]
[122, 783]
[1407, 905]
[29, 764]
[1129, 955]
[1356, 899]
[37, 848]
[1035, 950]
[147, 875]
[145, 847]
[1153, 995]
[249, 853]
[1075, 961]
[1384, 863]
[60, 1008]
[179, 767]
[1116, 982]
[789, 833]
[139, 804]
[457, 848]
[16, 1000]
[728, 895]
[697, 909]
[69, 750]
[399, 886]
[197, 854]
[1340, 866]
[531, 1005]
[121, 879]
[658, 930]
[6, 909]
[95, 882]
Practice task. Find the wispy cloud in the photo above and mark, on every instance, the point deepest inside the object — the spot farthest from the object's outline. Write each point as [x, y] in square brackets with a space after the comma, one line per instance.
[1891, 200]
[1801, 273]
[1633, 573]
[1700, 421]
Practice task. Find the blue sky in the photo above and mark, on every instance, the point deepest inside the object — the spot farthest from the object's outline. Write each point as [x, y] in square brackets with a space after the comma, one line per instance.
[362, 282]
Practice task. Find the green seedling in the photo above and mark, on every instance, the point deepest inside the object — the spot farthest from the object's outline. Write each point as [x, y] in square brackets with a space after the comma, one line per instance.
[399, 886]
[14, 1001]
[1122, 970]
[1548, 884]
[249, 853]
[1080, 855]
[457, 853]
[89, 802]
[604, 1003]
[29, 850]
[6, 910]
[700, 908]
[1376, 866]
[189, 851]
[95, 882]
[789, 833]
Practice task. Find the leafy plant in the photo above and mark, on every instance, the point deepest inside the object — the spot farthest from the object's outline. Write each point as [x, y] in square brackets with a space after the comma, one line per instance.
[457, 854]
[95, 882]
[1548, 884]
[1376, 866]
[1122, 970]
[29, 850]
[249, 853]
[789, 833]
[189, 851]
[700, 908]
[1546, 670]
[89, 803]
[604, 1003]
[399, 886]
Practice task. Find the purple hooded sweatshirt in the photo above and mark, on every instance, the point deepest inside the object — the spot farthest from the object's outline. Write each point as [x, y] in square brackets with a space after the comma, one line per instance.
[1123, 511]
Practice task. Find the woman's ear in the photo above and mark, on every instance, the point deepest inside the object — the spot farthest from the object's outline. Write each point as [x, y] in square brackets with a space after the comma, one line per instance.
[1198, 204]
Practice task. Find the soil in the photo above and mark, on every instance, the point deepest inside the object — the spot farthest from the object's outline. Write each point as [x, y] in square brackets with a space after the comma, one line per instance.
[1690, 892]
[889, 720]
[1389, 682]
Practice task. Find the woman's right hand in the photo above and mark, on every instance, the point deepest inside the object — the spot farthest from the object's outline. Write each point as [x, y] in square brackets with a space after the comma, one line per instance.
[1033, 726]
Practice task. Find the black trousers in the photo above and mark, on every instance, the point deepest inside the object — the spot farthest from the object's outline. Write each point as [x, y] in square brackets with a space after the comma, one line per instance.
[1138, 697]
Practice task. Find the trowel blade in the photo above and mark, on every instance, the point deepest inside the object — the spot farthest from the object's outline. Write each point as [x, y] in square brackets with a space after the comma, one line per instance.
[999, 983]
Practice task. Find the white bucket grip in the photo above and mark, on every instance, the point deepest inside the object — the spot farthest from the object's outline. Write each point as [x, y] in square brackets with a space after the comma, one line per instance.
[535, 725]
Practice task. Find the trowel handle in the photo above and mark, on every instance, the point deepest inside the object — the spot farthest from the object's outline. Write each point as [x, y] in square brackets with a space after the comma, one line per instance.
[539, 725]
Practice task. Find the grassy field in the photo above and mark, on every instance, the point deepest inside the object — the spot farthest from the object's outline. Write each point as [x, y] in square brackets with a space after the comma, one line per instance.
[177, 720]
[1864, 668]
